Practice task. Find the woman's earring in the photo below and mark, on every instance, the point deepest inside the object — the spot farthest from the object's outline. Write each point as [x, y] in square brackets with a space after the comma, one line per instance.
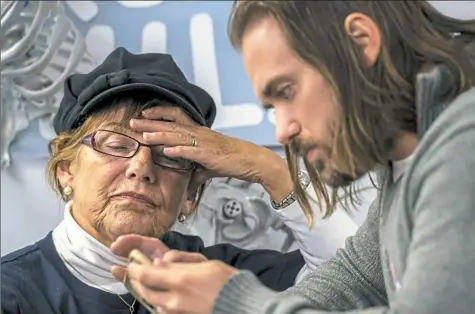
[182, 218]
[68, 191]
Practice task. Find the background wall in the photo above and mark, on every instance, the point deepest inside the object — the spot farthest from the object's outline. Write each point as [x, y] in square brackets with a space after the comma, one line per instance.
[194, 32]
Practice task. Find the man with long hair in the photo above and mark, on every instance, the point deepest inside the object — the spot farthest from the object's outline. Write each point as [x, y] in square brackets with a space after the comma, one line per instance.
[359, 86]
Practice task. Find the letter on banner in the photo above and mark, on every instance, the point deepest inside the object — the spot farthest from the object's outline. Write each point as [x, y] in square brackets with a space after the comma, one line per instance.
[203, 54]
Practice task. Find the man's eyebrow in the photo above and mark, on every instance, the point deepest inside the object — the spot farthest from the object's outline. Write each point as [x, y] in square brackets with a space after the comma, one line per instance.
[269, 89]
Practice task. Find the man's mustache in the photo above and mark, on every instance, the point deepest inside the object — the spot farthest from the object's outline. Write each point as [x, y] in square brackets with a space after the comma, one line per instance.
[295, 147]
[299, 148]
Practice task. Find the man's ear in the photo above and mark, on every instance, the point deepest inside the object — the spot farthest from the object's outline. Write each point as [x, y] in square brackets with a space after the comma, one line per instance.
[64, 173]
[364, 32]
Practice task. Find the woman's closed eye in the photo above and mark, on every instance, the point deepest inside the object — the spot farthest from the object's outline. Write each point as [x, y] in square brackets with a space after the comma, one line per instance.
[119, 146]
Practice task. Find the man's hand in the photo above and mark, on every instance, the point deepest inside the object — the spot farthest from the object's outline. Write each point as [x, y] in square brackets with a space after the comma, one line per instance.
[190, 288]
[153, 248]
[147, 281]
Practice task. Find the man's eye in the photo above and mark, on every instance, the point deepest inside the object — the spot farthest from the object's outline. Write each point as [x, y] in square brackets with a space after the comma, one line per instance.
[268, 106]
[285, 93]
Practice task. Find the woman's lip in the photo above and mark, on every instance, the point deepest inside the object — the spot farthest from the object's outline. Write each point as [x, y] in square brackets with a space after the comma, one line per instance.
[136, 197]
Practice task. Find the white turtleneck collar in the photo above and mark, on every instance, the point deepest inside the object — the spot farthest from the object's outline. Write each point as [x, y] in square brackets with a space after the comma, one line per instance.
[85, 257]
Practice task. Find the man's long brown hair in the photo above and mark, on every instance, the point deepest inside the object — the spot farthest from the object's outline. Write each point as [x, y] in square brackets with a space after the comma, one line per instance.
[377, 104]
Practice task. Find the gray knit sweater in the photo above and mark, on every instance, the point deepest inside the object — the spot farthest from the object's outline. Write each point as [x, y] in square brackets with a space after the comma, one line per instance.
[415, 254]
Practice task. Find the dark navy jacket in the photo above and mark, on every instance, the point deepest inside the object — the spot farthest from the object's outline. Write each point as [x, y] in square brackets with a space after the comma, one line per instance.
[36, 281]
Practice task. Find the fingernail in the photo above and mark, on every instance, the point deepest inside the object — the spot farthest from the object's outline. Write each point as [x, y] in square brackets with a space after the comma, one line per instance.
[147, 135]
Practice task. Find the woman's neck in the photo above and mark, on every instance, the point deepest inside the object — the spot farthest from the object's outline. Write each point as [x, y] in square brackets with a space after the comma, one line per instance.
[88, 259]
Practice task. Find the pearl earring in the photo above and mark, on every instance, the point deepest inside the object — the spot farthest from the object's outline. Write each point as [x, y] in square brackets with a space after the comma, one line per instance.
[68, 191]
[182, 218]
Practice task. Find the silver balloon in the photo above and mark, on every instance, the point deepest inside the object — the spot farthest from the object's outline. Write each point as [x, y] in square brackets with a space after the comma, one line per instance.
[40, 47]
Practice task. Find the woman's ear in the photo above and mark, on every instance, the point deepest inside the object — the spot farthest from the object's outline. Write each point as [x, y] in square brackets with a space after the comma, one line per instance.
[188, 207]
[64, 174]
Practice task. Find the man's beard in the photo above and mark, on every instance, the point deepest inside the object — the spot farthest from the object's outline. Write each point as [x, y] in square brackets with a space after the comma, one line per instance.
[330, 177]
[336, 179]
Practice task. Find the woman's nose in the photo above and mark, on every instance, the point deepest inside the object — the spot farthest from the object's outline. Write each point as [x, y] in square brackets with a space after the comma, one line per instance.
[141, 166]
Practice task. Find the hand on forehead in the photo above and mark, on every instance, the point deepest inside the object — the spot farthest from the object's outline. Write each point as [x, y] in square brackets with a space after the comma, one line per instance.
[166, 119]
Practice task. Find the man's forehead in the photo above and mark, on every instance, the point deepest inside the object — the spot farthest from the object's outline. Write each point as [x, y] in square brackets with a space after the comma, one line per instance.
[268, 58]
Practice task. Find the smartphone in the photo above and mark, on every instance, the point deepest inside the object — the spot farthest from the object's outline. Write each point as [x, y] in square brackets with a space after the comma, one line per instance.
[138, 257]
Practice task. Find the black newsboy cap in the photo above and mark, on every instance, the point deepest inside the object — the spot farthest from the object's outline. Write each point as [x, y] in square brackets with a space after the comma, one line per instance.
[124, 71]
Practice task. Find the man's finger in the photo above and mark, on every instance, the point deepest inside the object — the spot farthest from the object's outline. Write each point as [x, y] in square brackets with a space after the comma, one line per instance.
[168, 113]
[151, 247]
[119, 272]
[180, 256]
[166, 276]
[152, 276]
[159, 299]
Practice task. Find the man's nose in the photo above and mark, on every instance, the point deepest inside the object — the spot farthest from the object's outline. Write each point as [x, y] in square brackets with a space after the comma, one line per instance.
[285, 127]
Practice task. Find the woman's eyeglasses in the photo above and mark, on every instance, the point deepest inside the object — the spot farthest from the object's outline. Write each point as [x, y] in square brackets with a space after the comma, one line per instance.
[120, 145]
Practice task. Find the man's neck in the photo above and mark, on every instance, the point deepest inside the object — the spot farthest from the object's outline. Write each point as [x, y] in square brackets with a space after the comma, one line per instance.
[405, 146]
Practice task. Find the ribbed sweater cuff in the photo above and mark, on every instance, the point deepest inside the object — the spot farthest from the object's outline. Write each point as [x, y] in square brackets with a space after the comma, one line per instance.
[243, 294]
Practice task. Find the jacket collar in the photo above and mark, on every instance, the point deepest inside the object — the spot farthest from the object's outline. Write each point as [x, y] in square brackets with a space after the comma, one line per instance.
[434, 92]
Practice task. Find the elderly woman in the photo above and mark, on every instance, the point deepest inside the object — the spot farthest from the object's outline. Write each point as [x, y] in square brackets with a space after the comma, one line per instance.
[117, 184]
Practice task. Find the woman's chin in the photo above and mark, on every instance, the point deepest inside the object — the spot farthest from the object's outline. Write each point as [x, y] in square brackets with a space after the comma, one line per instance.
[127, 222]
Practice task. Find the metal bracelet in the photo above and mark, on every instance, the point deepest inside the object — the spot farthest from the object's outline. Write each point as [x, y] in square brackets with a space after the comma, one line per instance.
[291, 197]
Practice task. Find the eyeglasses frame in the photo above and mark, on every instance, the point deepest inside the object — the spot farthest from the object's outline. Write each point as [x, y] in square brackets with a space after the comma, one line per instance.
[89, 141]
